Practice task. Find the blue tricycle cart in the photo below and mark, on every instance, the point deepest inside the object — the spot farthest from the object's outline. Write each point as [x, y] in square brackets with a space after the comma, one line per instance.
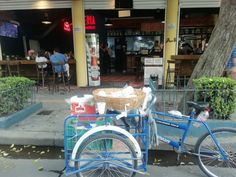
[116, 144]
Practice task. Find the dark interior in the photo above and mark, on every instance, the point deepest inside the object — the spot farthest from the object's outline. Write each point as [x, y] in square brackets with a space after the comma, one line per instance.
[50, 36]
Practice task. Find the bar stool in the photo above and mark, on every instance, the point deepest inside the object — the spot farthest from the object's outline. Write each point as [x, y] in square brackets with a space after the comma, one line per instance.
[13, 68]
[4, 69]
[172, 75]
[56, 81]
[41, 73]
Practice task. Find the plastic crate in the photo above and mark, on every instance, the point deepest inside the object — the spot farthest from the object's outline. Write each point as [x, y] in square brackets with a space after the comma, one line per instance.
[75, 129]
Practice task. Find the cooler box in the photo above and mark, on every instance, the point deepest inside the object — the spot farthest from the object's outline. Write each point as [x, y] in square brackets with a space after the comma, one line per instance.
[82, 106]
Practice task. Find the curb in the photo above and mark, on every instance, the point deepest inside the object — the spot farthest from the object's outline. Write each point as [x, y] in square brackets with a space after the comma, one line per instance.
[32, 138]
[7, 121]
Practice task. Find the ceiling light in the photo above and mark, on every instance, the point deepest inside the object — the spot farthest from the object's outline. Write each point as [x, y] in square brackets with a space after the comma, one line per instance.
[108, 23]
[46, 20]
[124, 13]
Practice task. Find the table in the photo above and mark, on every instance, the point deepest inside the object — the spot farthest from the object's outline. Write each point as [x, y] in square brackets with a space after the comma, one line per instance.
[186, 63]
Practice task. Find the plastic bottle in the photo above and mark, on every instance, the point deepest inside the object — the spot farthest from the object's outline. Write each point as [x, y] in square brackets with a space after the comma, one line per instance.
[203, 116]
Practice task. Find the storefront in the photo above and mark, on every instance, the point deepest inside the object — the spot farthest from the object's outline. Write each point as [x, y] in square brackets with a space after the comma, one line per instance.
[167, 33]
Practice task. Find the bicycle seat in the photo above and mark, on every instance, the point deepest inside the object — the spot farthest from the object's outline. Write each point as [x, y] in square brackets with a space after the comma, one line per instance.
[198, 106]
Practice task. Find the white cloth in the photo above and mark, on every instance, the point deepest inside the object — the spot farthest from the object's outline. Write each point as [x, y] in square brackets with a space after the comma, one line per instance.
[67, 69]
[41, 60]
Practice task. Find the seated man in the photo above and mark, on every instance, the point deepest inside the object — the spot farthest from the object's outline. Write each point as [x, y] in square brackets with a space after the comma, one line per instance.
[58, 60]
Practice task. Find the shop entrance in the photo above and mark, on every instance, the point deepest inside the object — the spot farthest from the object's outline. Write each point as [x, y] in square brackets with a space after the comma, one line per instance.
[128, 41]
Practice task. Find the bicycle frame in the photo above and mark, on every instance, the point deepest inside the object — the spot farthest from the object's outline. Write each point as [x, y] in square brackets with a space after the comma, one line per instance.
[185, 127]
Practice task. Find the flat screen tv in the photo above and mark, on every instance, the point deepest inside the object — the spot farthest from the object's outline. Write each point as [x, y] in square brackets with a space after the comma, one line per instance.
[8, 29]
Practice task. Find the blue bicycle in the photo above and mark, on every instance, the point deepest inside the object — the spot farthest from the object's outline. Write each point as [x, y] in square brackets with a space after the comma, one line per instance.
[215, 150]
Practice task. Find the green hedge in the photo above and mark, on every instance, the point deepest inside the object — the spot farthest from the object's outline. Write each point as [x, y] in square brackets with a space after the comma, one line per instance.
[219, 92]
[15, 93]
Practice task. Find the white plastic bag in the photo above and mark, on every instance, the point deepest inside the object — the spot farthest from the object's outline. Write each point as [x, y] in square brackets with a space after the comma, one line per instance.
[175, 113]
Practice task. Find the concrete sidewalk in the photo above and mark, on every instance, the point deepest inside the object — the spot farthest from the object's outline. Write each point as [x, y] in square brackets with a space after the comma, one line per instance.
[45, 127]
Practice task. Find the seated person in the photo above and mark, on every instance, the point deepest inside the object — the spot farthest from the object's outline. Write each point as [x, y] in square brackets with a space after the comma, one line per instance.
[157, 49]
[40, 58]
[185, 49]
[198, 50]
[58, 59]
[31, 55]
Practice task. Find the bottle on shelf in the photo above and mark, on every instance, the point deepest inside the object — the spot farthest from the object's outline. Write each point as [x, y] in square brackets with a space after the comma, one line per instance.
[203, 116]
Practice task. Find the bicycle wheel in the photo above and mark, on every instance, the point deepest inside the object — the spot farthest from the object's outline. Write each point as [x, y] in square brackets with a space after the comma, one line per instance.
[210, 159]
[106, 155]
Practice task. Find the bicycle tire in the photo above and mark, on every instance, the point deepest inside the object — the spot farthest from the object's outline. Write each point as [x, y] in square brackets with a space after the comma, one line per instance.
[209, 155]
[100, 161]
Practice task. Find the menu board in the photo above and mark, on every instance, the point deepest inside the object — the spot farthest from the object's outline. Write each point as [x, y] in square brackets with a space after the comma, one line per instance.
[153, 61]
[92, 57]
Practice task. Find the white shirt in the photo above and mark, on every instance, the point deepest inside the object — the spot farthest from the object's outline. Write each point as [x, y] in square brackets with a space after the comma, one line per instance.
[41, 60]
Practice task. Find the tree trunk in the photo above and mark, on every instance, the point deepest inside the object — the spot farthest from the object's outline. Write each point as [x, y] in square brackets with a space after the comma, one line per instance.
[212, 62]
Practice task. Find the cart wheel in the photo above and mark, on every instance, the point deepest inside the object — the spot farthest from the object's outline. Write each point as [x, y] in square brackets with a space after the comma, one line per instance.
[106, 155]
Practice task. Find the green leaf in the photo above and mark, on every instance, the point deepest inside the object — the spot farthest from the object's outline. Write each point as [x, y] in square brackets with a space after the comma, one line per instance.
[220, 92]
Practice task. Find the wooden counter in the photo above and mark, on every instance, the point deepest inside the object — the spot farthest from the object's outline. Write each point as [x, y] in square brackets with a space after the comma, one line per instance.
[28, 67]
[28, 62]
[185, 57]
[134, 60]
[185, 64]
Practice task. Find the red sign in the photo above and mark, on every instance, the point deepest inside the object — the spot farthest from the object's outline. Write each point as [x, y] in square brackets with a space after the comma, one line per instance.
[90, 22]
[67, 26]
[148, 27]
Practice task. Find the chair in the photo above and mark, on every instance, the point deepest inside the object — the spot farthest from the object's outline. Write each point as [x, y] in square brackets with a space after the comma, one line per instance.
[41, 73]
[56, 80]
[172, 75]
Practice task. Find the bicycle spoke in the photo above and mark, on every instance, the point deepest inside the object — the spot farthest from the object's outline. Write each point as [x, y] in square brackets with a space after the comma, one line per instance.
[102, 173]
[209, 161]
[110, 172]
[234, 163]
[229, 165]
[109, 155]
[217, 158]
[123, 173]
[89, 172]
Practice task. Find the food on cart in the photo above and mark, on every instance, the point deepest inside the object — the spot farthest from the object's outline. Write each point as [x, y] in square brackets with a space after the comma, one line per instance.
[127, 92]
[120, 99]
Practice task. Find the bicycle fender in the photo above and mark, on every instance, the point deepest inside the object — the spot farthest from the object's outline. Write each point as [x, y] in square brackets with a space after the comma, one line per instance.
[105, 128]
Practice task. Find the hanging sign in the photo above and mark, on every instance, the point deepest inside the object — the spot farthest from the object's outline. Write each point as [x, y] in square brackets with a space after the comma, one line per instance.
[90, 22]
[67, 26]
